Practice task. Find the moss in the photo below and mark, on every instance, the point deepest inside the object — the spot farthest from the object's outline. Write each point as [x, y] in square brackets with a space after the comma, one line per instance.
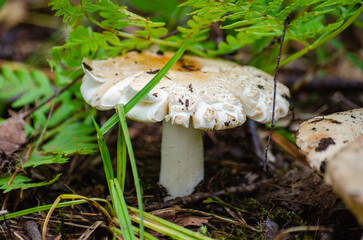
[284, 217]
[238, 233]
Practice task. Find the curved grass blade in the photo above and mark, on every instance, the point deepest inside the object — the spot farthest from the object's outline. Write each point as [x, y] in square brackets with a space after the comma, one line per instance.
[168, 228]
[121, 210]
[126, 136]
[121, 158]
[148, 236]
[47, 207]
[70, 196]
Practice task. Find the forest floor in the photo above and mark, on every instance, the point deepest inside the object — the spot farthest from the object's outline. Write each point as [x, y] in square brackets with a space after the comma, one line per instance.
[237, 199]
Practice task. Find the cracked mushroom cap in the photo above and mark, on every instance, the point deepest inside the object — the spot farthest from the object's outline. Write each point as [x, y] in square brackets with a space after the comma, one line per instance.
[321, 137]
[344, 173]
[213, 94]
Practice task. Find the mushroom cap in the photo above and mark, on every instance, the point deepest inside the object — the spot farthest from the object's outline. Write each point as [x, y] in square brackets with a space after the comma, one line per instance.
[212, 93]
[321, 137]
[344, 173]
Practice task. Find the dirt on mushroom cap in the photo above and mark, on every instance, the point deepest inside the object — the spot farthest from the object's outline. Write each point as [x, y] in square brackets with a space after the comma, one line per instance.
[321, 137]
[214, 94]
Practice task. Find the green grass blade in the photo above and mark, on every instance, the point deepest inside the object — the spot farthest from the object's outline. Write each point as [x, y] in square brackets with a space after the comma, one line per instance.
[148, 87]
[105, 154]
[47, 207]
[109, 123]
[148, 236]
[121, 158]
[125, 131]
[143, 92]
[121, 210]
[168, 228]
[172, 233]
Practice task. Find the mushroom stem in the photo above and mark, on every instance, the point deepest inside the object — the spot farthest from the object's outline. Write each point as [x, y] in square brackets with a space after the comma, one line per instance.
[182, 160]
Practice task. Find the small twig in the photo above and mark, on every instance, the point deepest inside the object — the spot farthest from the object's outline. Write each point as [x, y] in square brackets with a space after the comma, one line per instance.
[26, 158]
[217, 34]
[26, 114]
[255, 139]
[287, 20]
[203, 195]
[221, 218]
[301, 229]
[18, 236]
[289, 147]
[240, 220]
[5, 202]
[3, 213]
[90, 230]
[170, 34]
[45, 126]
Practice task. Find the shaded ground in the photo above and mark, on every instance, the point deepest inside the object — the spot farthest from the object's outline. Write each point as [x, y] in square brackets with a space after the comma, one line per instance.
[288, 194]
[237, 198]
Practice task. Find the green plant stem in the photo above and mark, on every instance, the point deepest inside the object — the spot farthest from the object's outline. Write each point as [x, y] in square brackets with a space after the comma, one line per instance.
[121, 158]
[120, 208]
[163, 229]
[166, 227]
[150, 85]
[136, 230]
[126, 136]
[105, 155]
[320, 41]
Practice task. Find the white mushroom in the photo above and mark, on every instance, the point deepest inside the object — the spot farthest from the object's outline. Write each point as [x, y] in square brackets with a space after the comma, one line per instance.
[196, 94]
[344, 173]
[334, 146]
[321, 137]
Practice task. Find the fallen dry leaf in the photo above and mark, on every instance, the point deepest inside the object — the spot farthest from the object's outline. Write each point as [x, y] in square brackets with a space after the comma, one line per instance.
[191, 221]
[12, 134]
[166, 213]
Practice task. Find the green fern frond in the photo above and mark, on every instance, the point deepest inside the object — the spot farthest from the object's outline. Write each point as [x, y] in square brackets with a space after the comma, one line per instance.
[38, 158]
[274, 6]
[244, 22]
[258, 19]
[71, 139]
[40, 90]
[83, 42]
[72, 14]
[284, 13]
[334, 3]
[24, 87]
[22, 182]
[12, 84]
[257, 5]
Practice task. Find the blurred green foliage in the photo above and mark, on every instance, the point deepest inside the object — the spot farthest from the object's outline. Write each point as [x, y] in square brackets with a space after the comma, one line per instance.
[253, 24]
[57, 130]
